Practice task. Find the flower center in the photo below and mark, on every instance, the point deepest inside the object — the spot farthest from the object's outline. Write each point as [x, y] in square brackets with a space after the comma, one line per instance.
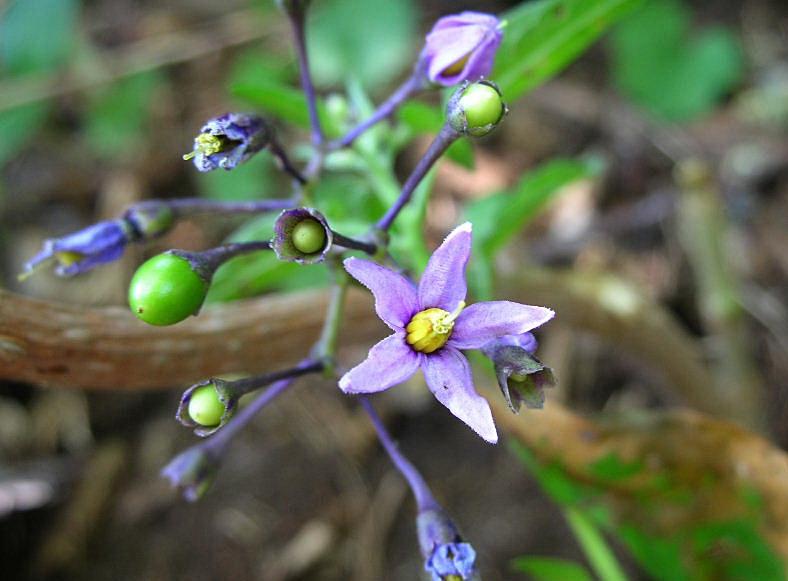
[429, 329]
[208, 144]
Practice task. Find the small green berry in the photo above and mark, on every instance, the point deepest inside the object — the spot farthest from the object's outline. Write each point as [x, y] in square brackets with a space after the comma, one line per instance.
[308, 236]
[482, 105]
[205, 407]
[166, 289]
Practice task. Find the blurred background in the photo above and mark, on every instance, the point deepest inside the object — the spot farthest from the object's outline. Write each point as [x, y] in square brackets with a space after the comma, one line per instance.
[650, 178]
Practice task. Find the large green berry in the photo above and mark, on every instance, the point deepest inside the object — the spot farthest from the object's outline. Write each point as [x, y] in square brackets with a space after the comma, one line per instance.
[166, 289]
[205, 407]
[309, 236]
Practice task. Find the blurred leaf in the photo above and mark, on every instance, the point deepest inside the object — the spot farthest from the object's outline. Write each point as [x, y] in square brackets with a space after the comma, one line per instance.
[281, 101]
[543, 37]
[37, 35]
[252, 180]
[348, 203]
[551, 569]
[18, 125]
[662, 68]
[115, 121]
[373, 40]
[612, 467]
[500, 217]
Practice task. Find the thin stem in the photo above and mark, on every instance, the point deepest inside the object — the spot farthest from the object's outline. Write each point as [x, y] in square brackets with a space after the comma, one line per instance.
[386, 109]
[211, 259]
[298, 22]
[192, 206]
[222, 438]
[240, 387]
[354, 244]
[284, 163]
[326, 347]
[442, 141]
[424, 498]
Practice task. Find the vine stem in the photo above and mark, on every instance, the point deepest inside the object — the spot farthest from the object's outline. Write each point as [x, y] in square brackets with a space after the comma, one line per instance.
[438, 147]
[298, 22]
[421, 492]
[386, 109]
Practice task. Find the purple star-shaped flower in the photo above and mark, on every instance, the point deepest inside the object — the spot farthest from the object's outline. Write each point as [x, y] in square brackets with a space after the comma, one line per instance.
[462, 47]
[431, 324]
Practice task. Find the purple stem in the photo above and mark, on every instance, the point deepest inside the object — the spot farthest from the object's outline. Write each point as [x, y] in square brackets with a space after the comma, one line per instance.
[241, 386]
[440, 144]
[206, 262]
[412, 85]
[340, 240]
[298, 22]
[191, 206]
[217, 443]
[421, 492]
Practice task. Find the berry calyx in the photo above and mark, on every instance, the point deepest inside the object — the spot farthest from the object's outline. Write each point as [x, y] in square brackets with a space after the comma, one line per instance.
[166, 289]
[476, 109]
[309, 236]
[205, 408]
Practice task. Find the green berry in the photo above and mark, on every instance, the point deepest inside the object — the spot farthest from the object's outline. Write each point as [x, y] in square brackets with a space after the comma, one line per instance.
[308, 236]
[483, 108]
[205, 407]
[165, 290]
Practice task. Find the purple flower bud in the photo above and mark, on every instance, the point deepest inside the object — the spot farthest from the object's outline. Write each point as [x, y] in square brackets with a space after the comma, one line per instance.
[446, 555]
[193, 471]
[83, 250]
[302, 235]
[461, 47]
[226, 141]
[521, 376]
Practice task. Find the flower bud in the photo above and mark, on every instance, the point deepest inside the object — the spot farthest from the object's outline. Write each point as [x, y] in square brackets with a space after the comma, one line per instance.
[302, 235]
[476, 109]
[150, 219]
[84, 250]
[446, 556]
[521, 376]
[193, 471]
[207, 406]
[228, 140]
[461, 47]
[168, 288]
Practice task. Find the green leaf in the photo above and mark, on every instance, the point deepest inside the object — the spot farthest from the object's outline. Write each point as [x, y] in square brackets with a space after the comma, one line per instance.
[551, 569]
[611, 467]
[37, 35]
[374, 40]
[665, 69]
[543, 37]
[116, 118]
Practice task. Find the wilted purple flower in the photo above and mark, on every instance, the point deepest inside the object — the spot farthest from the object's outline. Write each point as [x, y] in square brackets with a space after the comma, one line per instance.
[83, 250]
[228, 140]
[192, 471]
[446, 555]
[431, 325]
[462, 47]
[521, 376]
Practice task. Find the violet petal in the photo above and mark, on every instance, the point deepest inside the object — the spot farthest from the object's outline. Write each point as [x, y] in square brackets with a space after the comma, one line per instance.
[391, 361]
[448, 376]
[483, 322]
[395, 296]
[443, 284]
